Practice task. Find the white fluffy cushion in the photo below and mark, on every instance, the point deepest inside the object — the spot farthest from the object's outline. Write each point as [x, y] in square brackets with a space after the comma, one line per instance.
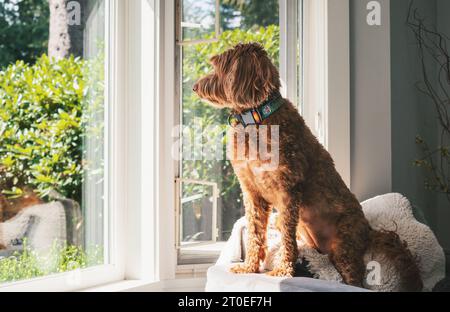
[388, 212]
[394, 212]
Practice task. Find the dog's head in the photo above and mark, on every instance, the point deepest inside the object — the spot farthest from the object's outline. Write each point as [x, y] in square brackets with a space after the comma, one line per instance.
[243, 77]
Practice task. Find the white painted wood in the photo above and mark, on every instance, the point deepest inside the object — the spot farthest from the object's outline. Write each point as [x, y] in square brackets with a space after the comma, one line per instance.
[288, 49]
[337, 110]
[142, 223]
[182, 284]
[114, 218]
[326, 107]
[70, 281]
[217, 29]
[166, 162]
[315, 63]
[372, 150]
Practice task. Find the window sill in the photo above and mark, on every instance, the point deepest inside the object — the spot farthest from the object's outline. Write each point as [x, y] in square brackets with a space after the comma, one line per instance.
[179, 284]
[125, 285]
[199, 255]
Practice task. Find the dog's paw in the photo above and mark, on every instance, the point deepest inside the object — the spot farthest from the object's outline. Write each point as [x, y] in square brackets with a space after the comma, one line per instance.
[281, 272]
[244, 269]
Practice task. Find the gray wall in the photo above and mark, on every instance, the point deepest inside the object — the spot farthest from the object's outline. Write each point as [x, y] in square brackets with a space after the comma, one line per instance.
[443, 206]
[412, 112]
[388, 111]
[370, 102]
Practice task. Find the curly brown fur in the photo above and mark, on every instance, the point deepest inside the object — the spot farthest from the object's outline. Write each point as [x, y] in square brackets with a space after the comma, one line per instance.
[312, 200]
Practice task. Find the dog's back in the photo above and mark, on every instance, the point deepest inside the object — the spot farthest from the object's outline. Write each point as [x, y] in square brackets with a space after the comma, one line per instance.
[330, 217]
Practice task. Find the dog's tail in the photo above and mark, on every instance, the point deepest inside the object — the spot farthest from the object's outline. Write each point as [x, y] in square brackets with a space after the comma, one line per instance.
[389, 244]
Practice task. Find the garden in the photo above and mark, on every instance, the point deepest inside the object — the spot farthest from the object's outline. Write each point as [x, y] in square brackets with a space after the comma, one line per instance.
[47, 105]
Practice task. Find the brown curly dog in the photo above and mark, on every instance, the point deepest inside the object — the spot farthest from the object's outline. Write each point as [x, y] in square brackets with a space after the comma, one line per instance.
[313, 201]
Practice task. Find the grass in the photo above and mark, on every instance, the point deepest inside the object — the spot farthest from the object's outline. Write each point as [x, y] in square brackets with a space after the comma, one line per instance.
[60, 258]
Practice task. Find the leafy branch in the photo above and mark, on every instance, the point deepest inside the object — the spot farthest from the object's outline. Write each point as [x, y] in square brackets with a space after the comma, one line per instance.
[432, 45]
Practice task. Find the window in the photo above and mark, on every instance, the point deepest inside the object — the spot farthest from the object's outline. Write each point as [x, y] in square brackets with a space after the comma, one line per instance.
[109, 171]
[55, 105]
[209, 199]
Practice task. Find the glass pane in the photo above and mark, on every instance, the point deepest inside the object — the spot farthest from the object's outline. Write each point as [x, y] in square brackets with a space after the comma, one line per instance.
[198, 19]
[52, 134]
[197, 214]
[300, 65]
[241, 21]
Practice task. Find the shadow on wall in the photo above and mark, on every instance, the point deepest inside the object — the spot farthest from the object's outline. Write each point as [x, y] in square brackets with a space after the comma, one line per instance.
[413, 113]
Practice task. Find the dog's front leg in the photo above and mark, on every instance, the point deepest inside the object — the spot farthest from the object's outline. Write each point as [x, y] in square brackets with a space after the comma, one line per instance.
[257, 213]
[288, 220]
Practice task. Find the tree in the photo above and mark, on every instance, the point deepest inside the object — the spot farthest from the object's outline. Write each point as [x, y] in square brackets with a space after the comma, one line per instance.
[228, 13]
[66, 30]
[255, 13]
[59, 38]
[46, 111]
[30, 28]
[23, 30]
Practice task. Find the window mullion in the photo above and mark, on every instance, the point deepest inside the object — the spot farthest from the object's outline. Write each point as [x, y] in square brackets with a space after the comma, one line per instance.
[289, 49]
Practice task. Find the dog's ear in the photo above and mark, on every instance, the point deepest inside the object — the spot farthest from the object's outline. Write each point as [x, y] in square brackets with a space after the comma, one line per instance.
[222, 62]
[253, 76]
[215, 60]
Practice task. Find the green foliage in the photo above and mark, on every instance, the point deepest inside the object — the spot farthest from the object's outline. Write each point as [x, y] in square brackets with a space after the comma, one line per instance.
[60, 258]
[253, 13]
[45, 110]
[195, 65]
[24, 30]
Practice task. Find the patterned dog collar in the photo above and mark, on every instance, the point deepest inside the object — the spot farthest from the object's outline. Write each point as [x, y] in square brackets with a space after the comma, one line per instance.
[257, 115]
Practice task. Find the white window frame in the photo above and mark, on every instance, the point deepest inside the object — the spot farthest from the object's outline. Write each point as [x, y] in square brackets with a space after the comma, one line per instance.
[332, 59]
[288, 49]
[326, 81]
[142, 170]
[115, 201]
[326, 62]
[195, 41]
[289, 78]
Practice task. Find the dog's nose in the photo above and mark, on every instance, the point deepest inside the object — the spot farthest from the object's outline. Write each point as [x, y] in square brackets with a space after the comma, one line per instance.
[195, 87]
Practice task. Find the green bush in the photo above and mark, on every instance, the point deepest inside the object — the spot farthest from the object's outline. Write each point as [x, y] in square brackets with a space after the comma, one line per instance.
[44, 113]
[60, 258]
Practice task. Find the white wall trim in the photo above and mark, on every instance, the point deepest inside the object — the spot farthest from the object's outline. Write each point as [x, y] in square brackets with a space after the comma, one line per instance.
[167, 163]
[337, 113]
[326, 108]
[142, 85]
[371, 94]
[288, 49]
